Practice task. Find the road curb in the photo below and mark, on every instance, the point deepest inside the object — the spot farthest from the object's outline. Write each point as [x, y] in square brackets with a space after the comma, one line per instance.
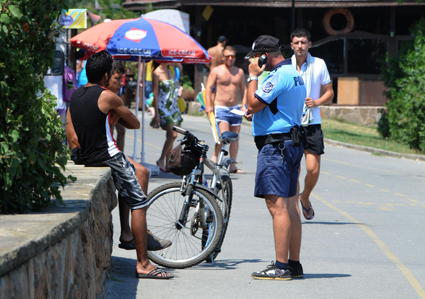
[365, 148]
[375, 150]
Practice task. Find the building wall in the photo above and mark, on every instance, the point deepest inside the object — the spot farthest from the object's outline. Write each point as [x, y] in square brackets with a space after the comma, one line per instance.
[366, 32]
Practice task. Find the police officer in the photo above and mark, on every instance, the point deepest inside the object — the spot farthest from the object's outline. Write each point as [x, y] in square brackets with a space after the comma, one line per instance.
[277, 107]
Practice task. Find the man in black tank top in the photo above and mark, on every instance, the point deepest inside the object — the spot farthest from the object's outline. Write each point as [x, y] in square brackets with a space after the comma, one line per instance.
[142, 173]
[91, 109]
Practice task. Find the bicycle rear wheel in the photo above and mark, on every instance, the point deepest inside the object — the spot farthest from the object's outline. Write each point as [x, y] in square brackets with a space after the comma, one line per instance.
[191, 244]
[225, 192]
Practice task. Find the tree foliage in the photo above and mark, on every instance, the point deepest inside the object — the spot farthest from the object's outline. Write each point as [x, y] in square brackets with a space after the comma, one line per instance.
[112, 9]
[31, 134]
[405, 77]
[107, 9]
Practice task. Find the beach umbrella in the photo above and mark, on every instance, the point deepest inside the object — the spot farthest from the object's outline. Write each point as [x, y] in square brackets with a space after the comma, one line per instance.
[148, 39]
[144, 40]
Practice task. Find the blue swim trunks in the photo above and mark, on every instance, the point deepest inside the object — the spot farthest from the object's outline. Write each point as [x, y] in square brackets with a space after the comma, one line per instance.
[222, 113]
[275, 177]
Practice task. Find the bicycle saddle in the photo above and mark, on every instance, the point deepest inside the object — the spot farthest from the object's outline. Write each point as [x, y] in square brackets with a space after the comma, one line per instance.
[228, 137]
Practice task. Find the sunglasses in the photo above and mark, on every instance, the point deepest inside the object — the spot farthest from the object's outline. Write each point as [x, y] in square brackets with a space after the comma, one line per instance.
[231, 56]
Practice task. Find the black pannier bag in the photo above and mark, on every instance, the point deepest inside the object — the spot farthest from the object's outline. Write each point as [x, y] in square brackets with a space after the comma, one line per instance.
[182, 161]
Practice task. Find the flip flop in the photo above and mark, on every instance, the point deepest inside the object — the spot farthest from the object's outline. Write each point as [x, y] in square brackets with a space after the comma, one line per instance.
[127, 245]
[154, 274]
[154, 243]
[306, 212]
[162, 168]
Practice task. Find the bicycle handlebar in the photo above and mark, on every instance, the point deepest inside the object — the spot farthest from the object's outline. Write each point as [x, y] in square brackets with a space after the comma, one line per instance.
[180, 130]
[189, 136]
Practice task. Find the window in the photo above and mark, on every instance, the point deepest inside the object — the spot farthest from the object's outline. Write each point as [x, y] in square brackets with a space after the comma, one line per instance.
[365, 56]
[333, 55]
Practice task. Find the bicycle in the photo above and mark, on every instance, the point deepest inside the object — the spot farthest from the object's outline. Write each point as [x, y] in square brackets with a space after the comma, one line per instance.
[193, 215]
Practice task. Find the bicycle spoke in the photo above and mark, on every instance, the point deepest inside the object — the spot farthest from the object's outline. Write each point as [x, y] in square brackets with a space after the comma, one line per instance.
[162, 218]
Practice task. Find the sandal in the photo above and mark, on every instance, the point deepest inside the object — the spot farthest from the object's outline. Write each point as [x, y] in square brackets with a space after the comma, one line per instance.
[154, 274]
[306, 212]
[154, 243]
[127, 245]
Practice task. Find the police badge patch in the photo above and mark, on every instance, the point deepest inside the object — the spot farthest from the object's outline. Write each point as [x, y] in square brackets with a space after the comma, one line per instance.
[268, 87]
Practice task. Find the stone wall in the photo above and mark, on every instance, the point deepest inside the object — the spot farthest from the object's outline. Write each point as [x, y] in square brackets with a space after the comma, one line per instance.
[362, 115]
[64, 252]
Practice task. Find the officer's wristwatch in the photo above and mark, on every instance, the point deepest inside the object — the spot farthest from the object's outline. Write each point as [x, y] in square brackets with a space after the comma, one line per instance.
[251, 78]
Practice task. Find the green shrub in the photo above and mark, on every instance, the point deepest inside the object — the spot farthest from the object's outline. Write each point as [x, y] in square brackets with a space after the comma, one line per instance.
[31, 134]
[405, 76]
[384, 125]
[185, 82]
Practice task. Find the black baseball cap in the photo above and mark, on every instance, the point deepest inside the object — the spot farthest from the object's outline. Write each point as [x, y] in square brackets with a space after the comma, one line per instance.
[222, 38]
[80, 54]
[264, 43]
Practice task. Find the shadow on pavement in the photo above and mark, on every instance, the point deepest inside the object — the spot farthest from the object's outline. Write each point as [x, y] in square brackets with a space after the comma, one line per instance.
[325, 275]
[226, 264]
[332, 223]
[121, 281]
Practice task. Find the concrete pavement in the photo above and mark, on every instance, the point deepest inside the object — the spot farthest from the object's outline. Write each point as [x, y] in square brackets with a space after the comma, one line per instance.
[366, 240]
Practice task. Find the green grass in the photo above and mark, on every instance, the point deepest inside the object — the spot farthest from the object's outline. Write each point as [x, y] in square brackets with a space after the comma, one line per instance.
[197, 113]
[362, 135]
[113, 278]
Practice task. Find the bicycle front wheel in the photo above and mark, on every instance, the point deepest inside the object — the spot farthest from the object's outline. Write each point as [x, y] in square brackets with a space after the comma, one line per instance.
[225, 192]
[190, 242]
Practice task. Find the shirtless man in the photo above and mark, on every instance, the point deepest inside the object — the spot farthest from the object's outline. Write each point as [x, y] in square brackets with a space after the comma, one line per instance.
[227, 79]
[216, 52]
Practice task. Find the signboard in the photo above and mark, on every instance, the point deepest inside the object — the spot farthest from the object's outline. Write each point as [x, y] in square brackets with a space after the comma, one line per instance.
[73, 19]
[207, 12]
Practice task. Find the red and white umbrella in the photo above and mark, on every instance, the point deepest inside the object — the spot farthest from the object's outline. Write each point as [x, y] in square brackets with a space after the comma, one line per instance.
[141, 39]
[148, 39]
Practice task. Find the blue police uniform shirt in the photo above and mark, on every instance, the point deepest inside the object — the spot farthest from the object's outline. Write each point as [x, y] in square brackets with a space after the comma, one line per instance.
[284, 93]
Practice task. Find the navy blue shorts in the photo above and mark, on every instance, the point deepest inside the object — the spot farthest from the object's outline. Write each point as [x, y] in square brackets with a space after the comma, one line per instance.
[222, 113]
[274, 177]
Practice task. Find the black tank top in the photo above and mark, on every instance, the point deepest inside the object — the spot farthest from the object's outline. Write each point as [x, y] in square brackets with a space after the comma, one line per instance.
[92, 125]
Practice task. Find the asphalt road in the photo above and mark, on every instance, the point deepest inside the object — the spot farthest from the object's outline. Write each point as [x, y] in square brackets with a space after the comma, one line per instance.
[366, 240]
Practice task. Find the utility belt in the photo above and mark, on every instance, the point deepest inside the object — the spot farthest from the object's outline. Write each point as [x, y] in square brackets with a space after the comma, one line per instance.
[294, 135]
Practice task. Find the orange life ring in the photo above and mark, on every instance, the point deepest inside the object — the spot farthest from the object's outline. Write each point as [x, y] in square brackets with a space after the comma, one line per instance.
[327, 21]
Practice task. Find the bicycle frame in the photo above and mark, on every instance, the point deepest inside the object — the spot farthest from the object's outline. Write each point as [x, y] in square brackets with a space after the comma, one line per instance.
[196, 178]
[218, 171]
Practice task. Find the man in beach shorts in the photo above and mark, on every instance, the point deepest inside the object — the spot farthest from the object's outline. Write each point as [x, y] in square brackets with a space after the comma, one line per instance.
[222, 113]
[227, 79]
[91, 108]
